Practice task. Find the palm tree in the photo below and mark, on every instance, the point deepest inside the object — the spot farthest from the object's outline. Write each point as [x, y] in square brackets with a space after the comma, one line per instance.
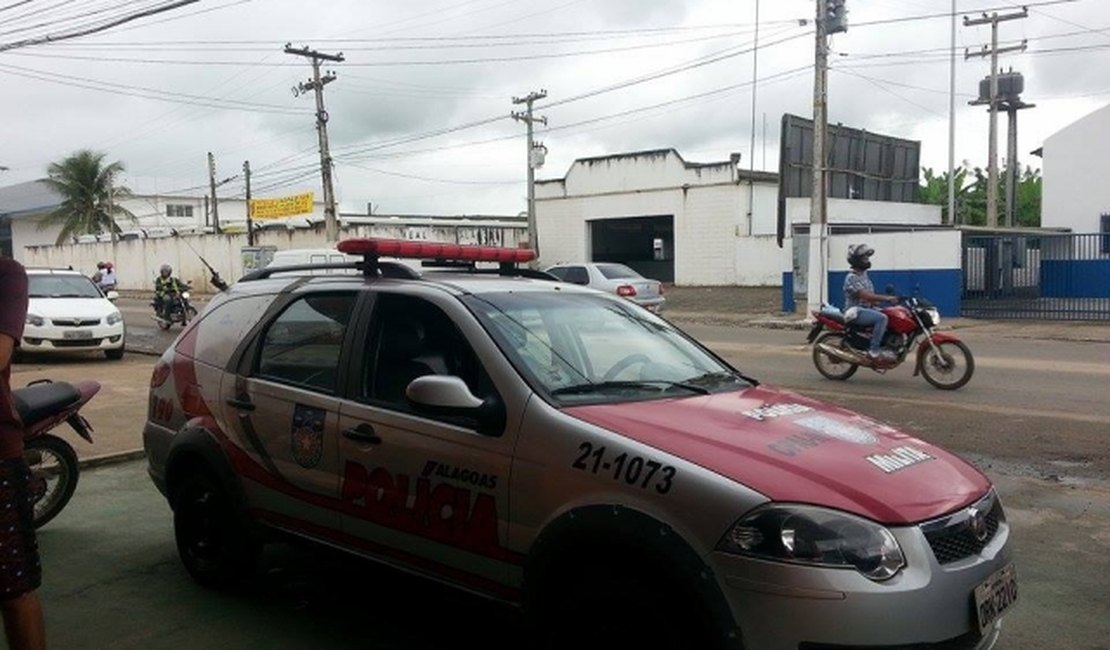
[89, 194]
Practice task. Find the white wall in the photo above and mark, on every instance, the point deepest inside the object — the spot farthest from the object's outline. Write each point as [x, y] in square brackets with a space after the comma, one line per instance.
[25, 232]
[868, 212]
[1076, 173]
[137, 260]
[903, 251]
[634, 172]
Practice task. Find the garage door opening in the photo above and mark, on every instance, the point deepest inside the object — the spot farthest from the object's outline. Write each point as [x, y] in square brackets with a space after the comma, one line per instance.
[645, 244]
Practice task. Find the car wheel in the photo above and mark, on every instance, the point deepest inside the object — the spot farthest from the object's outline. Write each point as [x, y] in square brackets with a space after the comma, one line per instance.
[621, 607]
[213, 540]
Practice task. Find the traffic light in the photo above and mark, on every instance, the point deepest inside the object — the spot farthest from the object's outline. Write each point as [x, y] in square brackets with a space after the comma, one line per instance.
[836, 16]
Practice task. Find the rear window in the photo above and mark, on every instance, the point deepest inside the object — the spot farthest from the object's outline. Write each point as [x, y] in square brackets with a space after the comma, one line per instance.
[617, 271]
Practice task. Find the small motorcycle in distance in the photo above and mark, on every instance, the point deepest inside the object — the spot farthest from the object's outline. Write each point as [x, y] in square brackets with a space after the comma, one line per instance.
[177, 309]
[43, 405]
[942, 358]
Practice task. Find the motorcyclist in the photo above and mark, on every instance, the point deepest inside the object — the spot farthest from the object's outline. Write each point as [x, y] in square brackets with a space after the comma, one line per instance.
[107, 280]
[860, 300]
[164, 285]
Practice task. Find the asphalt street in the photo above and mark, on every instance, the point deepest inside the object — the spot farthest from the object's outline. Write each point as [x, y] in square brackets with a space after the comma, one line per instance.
[1035, 417]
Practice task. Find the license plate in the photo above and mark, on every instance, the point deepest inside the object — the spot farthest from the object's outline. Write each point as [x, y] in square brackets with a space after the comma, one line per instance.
[995, 596]
[76, 334]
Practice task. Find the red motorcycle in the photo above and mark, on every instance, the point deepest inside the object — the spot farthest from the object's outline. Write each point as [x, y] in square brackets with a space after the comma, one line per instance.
[942, 358]
[43, 405]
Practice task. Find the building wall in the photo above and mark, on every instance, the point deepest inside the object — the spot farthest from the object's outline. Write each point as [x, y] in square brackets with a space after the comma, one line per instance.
[1076, 170]
[25, 232]
[137, 260]
[867, 212]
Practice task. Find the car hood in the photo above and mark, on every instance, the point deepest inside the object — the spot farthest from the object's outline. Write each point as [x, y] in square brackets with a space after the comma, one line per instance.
[795, 449]
[70, 307]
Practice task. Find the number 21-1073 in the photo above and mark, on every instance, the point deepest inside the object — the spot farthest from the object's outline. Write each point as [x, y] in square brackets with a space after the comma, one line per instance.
[633, 470]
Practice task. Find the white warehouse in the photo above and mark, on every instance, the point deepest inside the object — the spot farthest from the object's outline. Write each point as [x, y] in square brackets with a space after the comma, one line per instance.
[687, 223]
[1076, 169]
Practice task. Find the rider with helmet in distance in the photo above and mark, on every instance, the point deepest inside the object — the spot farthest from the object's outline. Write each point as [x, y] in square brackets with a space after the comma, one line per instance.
[860, 300]
[165, 284]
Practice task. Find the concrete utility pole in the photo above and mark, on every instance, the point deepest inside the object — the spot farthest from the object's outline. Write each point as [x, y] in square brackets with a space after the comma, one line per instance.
[529, 119]
[250, 225]
[212, 188]
[992, 147]
[817, 290]
[952, 122]
[316, 84]
[751, 147]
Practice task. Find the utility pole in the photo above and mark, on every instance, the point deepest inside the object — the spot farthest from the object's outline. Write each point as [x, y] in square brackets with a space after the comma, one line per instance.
[316, 84]
[212, 187]
[952, 122]
[529, 119]
[751, 147]
[250, 226]
[992, 147]
[817, 290]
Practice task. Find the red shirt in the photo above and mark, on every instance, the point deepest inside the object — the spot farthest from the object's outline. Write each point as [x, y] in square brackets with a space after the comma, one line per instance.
[13, 314]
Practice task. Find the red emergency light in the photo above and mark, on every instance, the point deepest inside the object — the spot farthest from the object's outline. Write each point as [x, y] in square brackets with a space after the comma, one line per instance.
[402, 248]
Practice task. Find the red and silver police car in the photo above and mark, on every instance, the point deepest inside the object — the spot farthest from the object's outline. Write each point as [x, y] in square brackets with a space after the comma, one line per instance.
[559, 448]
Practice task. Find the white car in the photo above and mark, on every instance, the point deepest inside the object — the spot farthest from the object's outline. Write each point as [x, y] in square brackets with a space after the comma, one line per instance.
[68, 313]
[614, 278]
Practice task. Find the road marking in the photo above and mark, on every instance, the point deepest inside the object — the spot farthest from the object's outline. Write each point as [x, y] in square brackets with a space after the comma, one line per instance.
[1003, 363]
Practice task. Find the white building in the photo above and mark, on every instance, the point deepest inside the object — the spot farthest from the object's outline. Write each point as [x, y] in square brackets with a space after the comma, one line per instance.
[1076, 174]
[690, 223]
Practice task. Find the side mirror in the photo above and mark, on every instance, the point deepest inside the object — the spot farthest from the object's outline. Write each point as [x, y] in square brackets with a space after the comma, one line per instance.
[112, 295]
[450, 396]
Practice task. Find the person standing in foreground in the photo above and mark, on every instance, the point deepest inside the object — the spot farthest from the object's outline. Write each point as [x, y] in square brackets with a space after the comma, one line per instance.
[860, 300]
[20, 572]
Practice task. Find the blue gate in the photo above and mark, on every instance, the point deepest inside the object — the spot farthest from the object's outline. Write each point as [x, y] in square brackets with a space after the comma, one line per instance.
[1041, 276]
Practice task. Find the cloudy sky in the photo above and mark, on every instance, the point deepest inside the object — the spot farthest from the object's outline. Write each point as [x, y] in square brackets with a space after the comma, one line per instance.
[419, 113]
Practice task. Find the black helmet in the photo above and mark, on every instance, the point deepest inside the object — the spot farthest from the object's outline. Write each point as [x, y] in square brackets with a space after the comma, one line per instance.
[859, 256]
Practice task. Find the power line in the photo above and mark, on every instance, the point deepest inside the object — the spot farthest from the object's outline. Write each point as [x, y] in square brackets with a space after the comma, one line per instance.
[94, 29]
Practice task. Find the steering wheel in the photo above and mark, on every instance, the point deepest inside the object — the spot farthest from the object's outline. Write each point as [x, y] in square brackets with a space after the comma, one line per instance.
[624, 364]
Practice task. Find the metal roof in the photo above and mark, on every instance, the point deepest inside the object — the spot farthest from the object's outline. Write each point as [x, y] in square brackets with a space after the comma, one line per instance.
[28, 199]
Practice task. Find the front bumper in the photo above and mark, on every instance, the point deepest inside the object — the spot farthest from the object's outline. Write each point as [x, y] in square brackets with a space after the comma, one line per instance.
[50, 338]
[927, 605]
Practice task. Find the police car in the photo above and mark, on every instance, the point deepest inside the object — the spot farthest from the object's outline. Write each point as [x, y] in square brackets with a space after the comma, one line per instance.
[565, 450]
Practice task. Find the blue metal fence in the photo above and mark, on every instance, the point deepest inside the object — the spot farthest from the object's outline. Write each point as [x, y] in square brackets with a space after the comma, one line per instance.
[1036, 276]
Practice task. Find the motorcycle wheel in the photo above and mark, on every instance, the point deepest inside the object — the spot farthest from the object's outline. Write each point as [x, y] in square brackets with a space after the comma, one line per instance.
[951, 368]
[190, 315]
[54, 473]
[831, 367]
[163, 324]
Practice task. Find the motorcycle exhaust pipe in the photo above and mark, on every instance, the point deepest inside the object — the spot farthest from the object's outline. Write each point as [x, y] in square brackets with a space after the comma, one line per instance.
[847, 356]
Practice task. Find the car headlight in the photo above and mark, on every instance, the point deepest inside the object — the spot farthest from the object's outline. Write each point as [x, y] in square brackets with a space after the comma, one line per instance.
[37, 321]
[816, 536]
[934, 315]
[114, 318]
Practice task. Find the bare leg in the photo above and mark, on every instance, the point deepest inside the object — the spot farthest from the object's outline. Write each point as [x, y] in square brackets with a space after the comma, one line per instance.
[23, 622]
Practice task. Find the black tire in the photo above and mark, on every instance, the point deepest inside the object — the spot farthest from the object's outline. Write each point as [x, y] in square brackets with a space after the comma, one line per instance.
[189, 316]
[116, 354]
[163, 324]
[213, 539]
[54, 472]
[615, 606]
[946, 371]
[831, 367]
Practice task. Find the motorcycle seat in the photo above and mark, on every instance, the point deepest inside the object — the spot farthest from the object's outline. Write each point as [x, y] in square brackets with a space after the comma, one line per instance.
[38, 402]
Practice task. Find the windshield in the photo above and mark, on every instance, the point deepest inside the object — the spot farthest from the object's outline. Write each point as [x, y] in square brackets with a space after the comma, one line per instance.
[580, 348]
[61, 286]
[617, 271]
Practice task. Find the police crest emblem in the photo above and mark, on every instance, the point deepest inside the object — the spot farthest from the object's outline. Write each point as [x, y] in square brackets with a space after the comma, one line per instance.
[307, 438]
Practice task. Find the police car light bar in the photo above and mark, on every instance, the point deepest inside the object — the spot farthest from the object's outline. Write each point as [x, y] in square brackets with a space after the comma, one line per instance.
[401, 248]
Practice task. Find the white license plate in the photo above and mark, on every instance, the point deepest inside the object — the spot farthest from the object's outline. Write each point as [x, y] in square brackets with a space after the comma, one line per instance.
[76, 334]
[995, 596]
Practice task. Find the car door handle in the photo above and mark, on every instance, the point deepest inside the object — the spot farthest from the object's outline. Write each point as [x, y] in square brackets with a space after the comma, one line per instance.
[241, 404]
[362, 433]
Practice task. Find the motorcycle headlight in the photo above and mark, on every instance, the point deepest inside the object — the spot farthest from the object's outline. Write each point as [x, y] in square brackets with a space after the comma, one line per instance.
[36, 320]
[934, 315]
[114, 318]
[818, 537]
[185, 295]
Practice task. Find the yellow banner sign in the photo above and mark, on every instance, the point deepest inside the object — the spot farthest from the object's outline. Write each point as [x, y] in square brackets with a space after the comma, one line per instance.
[286, 206]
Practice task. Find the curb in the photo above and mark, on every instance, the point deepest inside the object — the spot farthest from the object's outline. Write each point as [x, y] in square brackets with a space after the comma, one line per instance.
[111, 459]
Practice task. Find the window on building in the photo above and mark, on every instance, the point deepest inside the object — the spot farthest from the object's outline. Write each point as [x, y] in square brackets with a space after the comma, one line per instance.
[178, 210]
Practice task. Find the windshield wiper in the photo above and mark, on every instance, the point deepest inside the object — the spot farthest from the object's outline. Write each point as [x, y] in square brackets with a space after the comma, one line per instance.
[601, 386]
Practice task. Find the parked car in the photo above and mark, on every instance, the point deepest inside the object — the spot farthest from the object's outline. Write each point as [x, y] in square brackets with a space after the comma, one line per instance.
[68, 313]
[557, 447]
[614, 278]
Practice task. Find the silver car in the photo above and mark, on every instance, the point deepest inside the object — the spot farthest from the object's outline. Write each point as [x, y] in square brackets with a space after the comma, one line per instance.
[557, 448]
[611, 277]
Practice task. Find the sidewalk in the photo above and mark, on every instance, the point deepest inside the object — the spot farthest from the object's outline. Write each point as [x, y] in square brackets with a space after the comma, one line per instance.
[761, 307]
